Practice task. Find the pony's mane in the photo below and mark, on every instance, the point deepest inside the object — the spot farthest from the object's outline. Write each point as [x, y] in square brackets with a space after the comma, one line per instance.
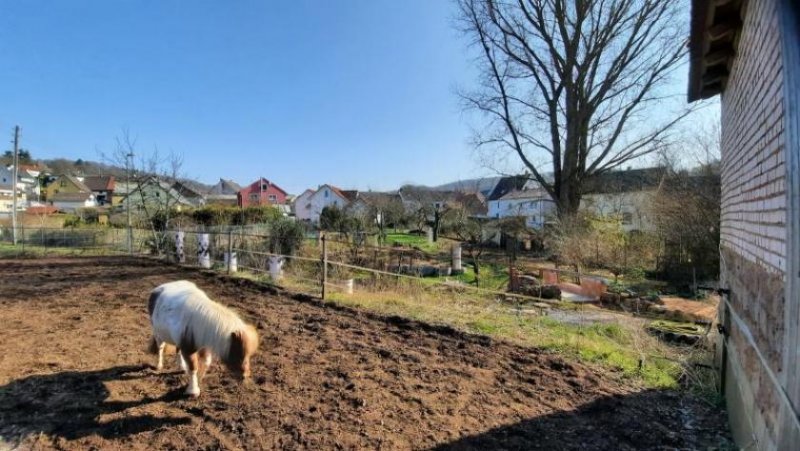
[211, 324]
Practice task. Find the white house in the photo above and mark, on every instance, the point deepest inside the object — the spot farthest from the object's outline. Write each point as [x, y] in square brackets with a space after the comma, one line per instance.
[7, 192]
[301, 205]
[7, 175]
[29, 176]
[628, 194]
[534, 205]
[71, 202]
[309, 205]
[7, 200]
[633, 207]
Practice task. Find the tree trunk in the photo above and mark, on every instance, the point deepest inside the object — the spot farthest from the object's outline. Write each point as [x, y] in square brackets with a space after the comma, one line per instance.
[569, 199]
[436, 220]
[477, 268]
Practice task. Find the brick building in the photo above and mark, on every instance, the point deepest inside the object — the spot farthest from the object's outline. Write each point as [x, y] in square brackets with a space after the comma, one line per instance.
[749, 53]
[261, 192]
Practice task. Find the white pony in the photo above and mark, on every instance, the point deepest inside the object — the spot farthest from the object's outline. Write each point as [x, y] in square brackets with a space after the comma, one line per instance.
[182, 315]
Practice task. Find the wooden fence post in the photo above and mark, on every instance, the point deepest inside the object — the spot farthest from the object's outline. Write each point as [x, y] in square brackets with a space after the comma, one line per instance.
[324, 264]
[230, 250]
[130, 240]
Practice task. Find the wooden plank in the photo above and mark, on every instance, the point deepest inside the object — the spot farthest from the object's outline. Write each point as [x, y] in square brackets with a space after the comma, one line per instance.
[789, 14]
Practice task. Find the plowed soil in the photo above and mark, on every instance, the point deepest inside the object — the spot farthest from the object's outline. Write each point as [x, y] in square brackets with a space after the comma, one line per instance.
[74, 374]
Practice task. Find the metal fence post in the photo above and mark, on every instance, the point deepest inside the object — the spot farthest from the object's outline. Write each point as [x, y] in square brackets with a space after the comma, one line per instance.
[22, 231]
[324, 264]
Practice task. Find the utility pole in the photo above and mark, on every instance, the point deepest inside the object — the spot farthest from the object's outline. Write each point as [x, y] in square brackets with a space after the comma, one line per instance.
[14, 185]
[128, 156]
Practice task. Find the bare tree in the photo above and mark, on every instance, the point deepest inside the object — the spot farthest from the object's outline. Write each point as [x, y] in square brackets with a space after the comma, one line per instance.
[471, 231]
[149, 176]
[429, 207]
[686, 209]
[382, 210]
[575, 87]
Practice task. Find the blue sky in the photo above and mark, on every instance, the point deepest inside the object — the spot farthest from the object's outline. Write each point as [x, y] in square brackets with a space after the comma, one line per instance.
[357, 93]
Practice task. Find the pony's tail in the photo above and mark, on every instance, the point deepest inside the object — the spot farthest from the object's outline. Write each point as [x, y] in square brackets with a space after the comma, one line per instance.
[153, 348]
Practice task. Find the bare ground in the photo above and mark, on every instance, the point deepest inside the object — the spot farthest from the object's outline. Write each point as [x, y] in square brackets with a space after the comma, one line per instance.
[74, 375]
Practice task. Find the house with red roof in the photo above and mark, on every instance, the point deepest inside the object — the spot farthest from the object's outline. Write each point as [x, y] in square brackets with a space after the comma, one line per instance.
[102, 186]
[261, 192]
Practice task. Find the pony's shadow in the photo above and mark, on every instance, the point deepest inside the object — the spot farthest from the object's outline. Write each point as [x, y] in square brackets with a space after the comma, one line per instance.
[68, 404]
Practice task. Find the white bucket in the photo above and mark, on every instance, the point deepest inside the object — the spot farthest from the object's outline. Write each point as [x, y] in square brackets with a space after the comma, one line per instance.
[276, 268]
[203, 251]
[231, 262]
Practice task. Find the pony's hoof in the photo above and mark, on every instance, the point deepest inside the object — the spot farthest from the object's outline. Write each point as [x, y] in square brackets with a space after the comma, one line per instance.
[192, 393]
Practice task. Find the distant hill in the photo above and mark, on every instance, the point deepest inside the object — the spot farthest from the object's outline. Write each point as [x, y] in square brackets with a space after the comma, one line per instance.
[58, 166]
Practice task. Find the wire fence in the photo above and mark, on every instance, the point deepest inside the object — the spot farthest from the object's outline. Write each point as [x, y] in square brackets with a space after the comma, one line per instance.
[392, 281]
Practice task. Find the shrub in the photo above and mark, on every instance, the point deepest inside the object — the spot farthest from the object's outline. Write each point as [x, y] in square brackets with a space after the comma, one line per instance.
[286, 236]
[255, 215]
[634, 274]
[214, 215]
[332, 219]
[89, 215]
[72, 221]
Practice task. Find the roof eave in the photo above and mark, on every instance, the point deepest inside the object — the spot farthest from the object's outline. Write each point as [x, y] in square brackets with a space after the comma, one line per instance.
[713, 39]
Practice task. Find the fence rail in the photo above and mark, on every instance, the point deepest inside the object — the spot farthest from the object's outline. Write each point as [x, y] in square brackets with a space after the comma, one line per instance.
[250, 251]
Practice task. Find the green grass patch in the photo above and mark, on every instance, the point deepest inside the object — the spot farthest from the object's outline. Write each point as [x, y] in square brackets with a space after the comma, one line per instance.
[494, 277]
[623, 348]
[408, 240]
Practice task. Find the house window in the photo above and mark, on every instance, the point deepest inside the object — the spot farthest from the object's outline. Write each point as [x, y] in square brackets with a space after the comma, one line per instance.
[63, 183]
[273, 198]
[254, 197]
[627, 218]
[326, 193]
[263, 187]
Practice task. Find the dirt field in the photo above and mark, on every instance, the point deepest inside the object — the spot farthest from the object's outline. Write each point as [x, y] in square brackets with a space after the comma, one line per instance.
[74, 374]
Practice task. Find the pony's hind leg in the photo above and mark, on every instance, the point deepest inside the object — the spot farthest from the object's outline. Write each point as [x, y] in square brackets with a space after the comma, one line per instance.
[192, 361]
[181, 361]
[204, 360]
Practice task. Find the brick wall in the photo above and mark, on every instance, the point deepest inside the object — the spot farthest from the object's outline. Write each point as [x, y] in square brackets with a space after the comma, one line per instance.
[753, 229]
[753, 172]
